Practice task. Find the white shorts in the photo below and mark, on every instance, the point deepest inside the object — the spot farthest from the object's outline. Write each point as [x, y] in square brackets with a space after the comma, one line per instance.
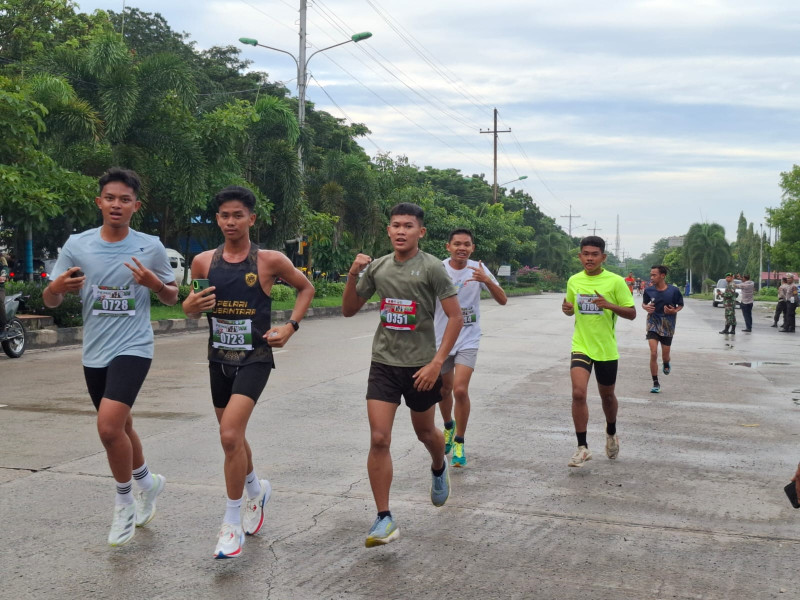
[467, 357]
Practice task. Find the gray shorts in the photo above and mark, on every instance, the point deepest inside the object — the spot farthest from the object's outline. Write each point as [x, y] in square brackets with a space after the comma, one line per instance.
[467, 357]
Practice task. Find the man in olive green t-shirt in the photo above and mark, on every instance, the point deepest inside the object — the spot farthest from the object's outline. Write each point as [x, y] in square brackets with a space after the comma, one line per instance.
[596, 297]
[405, 361]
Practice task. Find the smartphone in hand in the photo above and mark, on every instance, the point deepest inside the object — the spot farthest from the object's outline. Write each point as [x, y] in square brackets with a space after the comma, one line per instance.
[198, 285]
[791, 493]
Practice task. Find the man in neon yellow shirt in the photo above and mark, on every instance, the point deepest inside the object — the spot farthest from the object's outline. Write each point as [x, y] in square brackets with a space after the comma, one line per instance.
[596, 298]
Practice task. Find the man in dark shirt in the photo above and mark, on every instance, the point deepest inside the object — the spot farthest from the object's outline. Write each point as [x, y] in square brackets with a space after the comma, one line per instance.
[662, 302]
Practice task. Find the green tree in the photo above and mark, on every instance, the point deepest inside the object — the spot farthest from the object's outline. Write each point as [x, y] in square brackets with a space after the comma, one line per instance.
[786, 218]
[707, 250]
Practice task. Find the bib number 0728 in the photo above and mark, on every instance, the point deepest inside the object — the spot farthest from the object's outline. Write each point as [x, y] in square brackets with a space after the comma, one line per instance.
[114, 304]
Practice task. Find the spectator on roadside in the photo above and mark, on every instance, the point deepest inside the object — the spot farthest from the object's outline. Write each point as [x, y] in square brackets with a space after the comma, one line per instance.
[746, 303]
[780, 309]
[791, 305]
[3, 277]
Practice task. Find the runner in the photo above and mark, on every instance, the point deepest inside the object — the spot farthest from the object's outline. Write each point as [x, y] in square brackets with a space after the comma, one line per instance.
[240, 342]
[630, 280]
[599, 297]
[405, 361]
[117, 335]
[469, 277]
[661, 302]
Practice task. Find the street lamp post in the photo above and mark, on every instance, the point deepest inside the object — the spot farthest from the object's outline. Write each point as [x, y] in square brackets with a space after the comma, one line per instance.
[302, 65]
[520, 178]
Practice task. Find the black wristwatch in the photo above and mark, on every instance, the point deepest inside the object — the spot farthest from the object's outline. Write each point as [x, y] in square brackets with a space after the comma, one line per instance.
[294, 324]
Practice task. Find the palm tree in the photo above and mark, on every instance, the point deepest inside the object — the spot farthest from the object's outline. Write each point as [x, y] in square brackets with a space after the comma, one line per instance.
[707, 249]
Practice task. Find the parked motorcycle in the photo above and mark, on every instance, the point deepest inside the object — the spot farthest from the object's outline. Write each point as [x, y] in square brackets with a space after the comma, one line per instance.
[15, 335]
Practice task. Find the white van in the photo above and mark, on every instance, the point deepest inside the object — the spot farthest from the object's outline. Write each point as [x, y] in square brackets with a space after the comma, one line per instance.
[178, 264]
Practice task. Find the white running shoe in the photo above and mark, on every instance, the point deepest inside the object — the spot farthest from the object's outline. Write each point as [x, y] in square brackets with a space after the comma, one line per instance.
[230, 542]
[612, 446]
[124, 524]
[253, 517]
[146, 500]
[582, 454]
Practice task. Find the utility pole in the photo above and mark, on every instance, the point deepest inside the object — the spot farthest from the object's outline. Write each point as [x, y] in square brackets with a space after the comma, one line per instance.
[595, 229]
[616, 247]
[301, 80]
[570, 216]
[495, 132]
[760, 254]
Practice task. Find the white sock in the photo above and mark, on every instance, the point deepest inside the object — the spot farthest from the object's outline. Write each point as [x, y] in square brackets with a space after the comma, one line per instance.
[233, 512]
[252, 485]
[144, 481]
[124, 493]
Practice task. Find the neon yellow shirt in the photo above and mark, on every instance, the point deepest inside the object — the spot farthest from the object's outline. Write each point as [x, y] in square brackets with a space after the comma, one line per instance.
[594, 327]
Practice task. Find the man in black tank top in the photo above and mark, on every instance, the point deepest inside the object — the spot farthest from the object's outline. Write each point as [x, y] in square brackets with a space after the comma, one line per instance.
[240, 342]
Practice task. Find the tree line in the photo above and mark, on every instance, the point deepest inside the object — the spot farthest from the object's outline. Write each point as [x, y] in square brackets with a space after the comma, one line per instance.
[78, 96]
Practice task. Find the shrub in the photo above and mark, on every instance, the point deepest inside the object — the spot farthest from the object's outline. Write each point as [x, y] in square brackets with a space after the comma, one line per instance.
[67, 314]
[183, 293]
[768, 293]
[282, 293]
[328, 289]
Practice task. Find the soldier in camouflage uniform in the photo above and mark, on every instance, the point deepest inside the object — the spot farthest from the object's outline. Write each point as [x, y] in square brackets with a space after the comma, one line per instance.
[729, 303]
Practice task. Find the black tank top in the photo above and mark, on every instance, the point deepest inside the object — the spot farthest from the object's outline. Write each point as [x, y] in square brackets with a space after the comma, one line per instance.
[242, 314]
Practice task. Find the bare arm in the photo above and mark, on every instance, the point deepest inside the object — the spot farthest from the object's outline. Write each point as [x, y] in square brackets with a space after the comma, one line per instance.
[351, 301]
[278, 265]
[626, 312]
[53, 294]
[196, 303]
[479, 274]
[426, 377]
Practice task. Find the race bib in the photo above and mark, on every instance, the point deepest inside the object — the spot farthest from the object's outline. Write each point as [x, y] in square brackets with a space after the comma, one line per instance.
[469, 316]
[232, 334]
[111, 301]
[586, 306]
[399, 314]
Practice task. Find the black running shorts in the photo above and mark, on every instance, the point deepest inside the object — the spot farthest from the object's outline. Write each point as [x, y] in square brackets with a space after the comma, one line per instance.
[248, 380]
[121, 380]
[665, 341]
[605, 370]
[388, 383]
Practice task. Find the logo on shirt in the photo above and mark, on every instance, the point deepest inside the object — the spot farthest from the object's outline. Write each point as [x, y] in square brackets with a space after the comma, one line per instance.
[250, 279]
[415, 273]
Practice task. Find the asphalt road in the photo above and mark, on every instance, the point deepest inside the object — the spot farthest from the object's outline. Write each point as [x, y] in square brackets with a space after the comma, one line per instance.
[692, 508]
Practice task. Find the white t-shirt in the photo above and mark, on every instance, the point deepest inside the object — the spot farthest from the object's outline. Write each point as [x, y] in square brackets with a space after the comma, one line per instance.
[469, 298]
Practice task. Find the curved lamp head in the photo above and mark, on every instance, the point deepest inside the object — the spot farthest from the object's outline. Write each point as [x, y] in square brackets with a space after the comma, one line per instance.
[249, 41]
[360, 37]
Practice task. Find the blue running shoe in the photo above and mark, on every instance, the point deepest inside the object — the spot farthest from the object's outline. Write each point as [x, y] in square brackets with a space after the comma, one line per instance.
[459, 460]
[667, 368]
[656, 389]
[440, 486]
[449, 434]
[382, 532]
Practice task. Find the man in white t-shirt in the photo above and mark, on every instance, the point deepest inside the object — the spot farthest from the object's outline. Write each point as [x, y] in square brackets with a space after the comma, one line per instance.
[469, 277]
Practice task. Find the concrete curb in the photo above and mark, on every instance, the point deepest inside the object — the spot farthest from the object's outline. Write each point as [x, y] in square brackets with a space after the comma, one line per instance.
[68, 336]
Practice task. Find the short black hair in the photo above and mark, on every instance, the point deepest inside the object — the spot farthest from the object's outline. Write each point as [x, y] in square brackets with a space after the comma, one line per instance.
[461, 231]
[661, 269]
[407, 208]
[594, 240]
[236, 192]
[126, 176]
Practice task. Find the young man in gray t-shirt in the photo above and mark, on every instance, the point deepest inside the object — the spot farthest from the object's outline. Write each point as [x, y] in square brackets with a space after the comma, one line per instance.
[114, 268]
[405, 361]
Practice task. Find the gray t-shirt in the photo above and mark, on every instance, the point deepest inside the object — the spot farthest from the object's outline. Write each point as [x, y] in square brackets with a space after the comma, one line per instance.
[116, 311]
[408, 291]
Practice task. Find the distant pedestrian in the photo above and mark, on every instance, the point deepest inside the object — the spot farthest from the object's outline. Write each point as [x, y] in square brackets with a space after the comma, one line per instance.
[729, 303]
[791, 305]
[661, 302]
[780, 308]
[630, 280]
[746, 303]
[596, 297]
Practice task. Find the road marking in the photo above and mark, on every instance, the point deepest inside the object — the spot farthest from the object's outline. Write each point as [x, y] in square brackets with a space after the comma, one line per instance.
[362, 336]
[3, 405]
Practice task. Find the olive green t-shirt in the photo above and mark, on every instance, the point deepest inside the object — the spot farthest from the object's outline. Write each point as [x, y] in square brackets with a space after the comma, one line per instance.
[408, 292]
[594, 333]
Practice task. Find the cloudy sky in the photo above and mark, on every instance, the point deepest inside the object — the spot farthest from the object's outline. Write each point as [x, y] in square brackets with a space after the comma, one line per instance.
[656, 113]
